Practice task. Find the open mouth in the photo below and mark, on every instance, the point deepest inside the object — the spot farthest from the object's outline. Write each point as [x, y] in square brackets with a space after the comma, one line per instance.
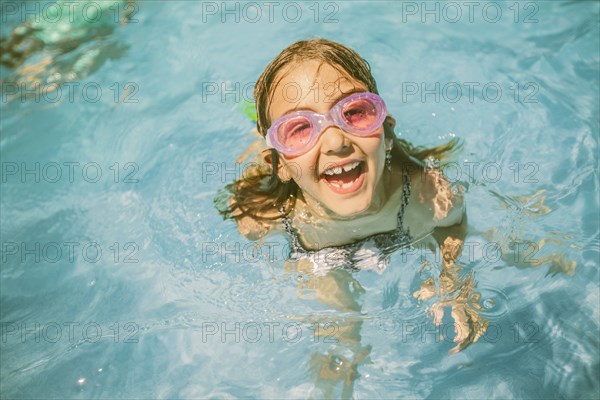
[345, 178]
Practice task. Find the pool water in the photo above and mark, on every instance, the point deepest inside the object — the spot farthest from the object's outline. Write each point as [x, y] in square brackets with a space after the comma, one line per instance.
[119, 279]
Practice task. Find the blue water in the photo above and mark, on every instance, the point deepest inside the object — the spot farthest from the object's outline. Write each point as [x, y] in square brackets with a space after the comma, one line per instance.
[120, 280]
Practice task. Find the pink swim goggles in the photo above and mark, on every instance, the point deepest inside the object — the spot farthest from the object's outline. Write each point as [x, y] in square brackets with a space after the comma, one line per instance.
[297, 132]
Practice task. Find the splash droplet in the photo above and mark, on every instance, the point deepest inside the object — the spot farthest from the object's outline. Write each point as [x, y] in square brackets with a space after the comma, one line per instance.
[489, 303]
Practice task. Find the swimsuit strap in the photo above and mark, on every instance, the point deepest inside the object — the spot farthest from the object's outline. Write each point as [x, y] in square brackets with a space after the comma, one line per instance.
[287, 224]
[405, 197]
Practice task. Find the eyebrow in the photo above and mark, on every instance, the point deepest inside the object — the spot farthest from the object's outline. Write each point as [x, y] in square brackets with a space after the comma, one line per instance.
[333, 102]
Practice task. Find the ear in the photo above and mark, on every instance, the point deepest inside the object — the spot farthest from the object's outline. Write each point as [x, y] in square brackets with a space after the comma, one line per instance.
[267, 156]
[388, 125]
[389, 143]
[390, 122]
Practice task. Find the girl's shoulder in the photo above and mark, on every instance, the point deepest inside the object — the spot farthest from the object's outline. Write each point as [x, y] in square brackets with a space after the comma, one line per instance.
[255, 229]
[433, 202]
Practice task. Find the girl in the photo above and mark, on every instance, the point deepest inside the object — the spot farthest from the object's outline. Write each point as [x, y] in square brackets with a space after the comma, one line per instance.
[348, 192]
[333, 174]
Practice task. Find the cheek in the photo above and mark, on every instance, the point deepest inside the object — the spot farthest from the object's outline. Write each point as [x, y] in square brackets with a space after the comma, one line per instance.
[377, 152]
[300, 169]
[378, 159]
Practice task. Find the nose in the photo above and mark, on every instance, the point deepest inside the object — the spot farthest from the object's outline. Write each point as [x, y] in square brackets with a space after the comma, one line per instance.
[334, 140]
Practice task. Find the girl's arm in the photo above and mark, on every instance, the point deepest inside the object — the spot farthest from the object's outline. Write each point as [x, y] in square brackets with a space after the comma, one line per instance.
[334, 372]
[456, 289]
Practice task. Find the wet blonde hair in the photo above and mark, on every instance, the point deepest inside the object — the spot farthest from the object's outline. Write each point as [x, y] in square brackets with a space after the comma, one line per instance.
[260, 194]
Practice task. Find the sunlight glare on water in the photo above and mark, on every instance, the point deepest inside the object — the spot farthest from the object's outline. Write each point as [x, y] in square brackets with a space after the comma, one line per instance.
[161, 298]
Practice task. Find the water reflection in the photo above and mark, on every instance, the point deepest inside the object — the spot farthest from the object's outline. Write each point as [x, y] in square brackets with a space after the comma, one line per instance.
[456, 290]
[336, 370]
[521, 249]
[63, 43]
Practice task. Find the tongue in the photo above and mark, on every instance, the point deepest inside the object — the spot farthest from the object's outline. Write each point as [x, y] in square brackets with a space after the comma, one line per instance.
[344, 177]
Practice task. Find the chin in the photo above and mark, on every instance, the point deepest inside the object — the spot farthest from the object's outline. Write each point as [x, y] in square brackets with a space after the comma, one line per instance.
[349, 207]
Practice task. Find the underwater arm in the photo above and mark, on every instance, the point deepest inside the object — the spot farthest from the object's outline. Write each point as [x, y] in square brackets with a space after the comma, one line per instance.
[456, 286]
[336, 370]
[457, 289]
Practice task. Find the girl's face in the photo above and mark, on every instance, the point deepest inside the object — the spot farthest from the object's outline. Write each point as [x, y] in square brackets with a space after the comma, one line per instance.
[358, 186]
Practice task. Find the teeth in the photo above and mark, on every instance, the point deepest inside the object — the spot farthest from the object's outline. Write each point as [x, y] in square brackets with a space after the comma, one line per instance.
[350, 166]
[345, 168]
[334, 171]
[344, 185]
